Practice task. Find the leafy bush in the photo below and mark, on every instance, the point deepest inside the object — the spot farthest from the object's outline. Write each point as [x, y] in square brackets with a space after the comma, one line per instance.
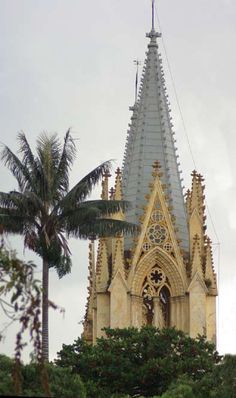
[138, 362]
[62, 383]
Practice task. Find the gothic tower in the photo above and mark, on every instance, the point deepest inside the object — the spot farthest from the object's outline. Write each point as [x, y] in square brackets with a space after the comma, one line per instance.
[165, 275]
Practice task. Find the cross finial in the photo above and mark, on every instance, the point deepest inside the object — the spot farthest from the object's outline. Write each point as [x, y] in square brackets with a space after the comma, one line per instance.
[112, 193]
[153, 34]
[118, 171]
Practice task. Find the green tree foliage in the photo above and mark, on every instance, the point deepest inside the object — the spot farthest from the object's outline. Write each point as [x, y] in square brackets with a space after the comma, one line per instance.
[62, 383]
[221, 382]
[138, 362]
[6, 369]
[181, 389]
[224, 377]
[217, 381]
[46, 212]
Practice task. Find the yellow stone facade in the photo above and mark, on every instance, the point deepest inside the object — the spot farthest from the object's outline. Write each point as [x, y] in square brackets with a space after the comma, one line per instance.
[156, 282]
[166, 276]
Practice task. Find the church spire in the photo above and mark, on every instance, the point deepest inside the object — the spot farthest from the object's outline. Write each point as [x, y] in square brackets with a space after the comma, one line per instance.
[165, 275]
[150, 138]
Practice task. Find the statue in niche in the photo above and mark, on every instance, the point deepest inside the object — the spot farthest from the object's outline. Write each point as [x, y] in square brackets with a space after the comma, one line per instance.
[156, 313]
[148, 305]
[159, 318]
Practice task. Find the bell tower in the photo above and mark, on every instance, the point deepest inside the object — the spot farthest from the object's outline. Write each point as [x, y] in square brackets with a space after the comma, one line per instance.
[165, 275]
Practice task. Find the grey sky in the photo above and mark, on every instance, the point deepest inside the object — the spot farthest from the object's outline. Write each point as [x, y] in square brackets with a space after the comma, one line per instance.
[70, 64]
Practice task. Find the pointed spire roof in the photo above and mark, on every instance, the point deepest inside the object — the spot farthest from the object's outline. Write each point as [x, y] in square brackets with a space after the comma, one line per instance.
[210, 275]
[118, 186]
[150, 138]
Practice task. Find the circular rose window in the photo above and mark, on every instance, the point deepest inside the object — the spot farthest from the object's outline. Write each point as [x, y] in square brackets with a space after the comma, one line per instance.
[157, 234]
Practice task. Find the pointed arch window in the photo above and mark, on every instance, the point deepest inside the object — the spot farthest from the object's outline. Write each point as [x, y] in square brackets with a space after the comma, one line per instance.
[156, 287]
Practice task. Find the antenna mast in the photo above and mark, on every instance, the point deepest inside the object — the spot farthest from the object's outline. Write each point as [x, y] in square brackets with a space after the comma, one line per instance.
[137, 63]
[153, 15]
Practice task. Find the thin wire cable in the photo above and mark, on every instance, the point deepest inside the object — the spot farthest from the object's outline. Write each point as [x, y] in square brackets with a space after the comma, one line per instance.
[182, 119]
[217, 244]
[213, 225]
[175, 93]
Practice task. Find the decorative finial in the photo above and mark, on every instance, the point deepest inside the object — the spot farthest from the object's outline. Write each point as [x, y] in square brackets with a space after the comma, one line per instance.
[208, 241]
[153, 34]
[196, 238]
[118, 171]
[107, 174]
[156, 165]
[156, 169]
[112, 193]
[194, 173]
[137, 63]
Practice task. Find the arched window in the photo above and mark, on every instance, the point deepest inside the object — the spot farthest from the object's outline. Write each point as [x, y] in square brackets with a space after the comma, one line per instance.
[156, 285]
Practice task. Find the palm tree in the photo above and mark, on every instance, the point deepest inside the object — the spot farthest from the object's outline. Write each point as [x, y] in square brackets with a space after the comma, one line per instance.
[45, 212]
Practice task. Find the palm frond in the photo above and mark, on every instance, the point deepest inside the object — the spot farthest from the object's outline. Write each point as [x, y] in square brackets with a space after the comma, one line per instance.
[27, 203]
[84, 187]
[63, 266]
[17, 168]
[107, 207]
[104, 228]
[12, 222]
[30, 162]
[67, 158]
[89, 211]
[57, 253]
[48, 150]
[82, 215]
[9, 200]
[19, 212]
[30, 239]
[28, 159]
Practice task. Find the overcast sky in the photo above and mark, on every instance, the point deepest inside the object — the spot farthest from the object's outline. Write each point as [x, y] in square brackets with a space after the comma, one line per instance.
[70, 64]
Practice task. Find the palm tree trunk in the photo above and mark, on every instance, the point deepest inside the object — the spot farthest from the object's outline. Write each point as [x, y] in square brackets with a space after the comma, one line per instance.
[45, 312]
